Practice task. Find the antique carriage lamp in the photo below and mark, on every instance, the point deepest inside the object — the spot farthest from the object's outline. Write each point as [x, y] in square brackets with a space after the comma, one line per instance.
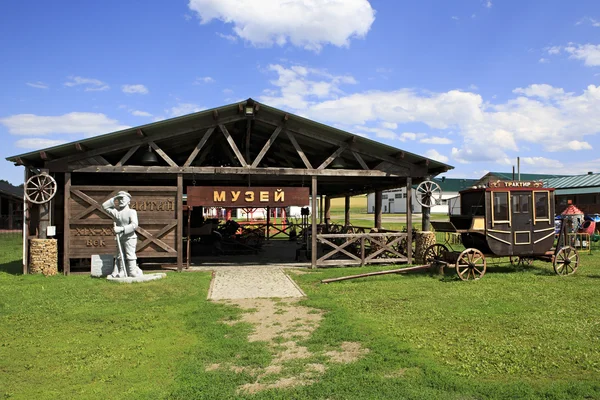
[149, 157]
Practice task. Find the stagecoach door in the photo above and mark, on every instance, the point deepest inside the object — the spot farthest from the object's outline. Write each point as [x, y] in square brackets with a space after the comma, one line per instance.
[522, 222]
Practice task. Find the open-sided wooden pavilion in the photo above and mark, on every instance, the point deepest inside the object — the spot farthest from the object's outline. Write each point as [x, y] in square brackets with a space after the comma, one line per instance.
[244, 144]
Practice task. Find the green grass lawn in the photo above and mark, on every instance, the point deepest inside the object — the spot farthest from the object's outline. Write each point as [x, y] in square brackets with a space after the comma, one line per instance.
[517, 333]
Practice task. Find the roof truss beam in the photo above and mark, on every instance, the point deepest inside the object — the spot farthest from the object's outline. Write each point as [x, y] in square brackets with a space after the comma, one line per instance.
[199, 146]
[233, 146]
[265, 148]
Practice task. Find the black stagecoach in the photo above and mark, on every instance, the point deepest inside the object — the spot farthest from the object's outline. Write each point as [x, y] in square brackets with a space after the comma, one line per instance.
[505, 219]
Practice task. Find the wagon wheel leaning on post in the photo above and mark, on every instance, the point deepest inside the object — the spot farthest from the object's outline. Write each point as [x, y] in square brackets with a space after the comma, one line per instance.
[566, 261]
[471, 265]
[428, 194]
[40, 189]
[435, 256]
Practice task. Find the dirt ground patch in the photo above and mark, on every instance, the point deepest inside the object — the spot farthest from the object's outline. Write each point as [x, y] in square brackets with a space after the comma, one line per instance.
[283, 324]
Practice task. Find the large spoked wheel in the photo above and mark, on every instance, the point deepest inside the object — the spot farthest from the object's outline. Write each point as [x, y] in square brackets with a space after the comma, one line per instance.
[566, 261]
[40, 189]
[471, 265]
[434, 254]
[429, 194]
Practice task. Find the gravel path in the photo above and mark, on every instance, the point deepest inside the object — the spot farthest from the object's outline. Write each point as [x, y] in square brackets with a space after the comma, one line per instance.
[252, 283]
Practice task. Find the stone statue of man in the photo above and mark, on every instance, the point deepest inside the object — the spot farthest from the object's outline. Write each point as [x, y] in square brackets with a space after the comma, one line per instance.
[125, 223]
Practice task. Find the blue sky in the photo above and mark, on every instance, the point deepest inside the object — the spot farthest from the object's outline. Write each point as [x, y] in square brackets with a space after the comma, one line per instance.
[474, 83]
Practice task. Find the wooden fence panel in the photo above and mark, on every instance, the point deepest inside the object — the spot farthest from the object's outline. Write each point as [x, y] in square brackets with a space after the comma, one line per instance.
[361, 248]
[90, 228]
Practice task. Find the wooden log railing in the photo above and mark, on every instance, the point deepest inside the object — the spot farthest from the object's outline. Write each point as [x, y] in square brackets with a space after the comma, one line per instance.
[361, 248]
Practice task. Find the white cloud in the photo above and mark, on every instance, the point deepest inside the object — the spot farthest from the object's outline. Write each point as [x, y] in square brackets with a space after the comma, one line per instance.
[139, 113]
[436, 140]
[38, 85]
[307, 24]
[230, 38]
[574, 145]
[539, 114]
[454, 17]
[435, 155]
[204, 79]
[541, 164]
[131, 89]
[488, 3]
[588, 53]
[183, 109]
[89, 84]
[591, 21]
[299, 86]
[38, 143]
[404, 136]
[71, 123]
[543, 60]
[543, 91]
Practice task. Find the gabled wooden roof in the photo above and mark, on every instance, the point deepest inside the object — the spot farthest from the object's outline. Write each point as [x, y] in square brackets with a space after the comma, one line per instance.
[227, 140]
[316, 134]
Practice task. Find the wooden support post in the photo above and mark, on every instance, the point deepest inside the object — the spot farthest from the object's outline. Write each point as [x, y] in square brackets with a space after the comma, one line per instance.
[25, 228]
[347, 210]
[378, 206]
[189, 230]
[321, 210]
[409, 219]
[327, 210]
[425, 219]
[179, 222]
[313, 259]
[268, 222]
[10, 214]
[66, 226]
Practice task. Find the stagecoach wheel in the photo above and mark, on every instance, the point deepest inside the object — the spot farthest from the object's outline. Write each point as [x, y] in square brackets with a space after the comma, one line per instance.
[40, 189]
[434, 254]
[566, 261]
[429, 194]
[471, 265]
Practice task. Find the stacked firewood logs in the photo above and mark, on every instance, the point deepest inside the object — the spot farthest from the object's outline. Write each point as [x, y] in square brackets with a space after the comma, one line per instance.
[423, 241]
[43, 256]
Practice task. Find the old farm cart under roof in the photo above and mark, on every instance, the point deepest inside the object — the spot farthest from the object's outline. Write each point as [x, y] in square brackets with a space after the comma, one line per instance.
[247, 145]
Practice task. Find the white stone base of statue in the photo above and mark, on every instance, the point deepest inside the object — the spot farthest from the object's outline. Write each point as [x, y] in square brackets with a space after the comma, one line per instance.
[141, 278]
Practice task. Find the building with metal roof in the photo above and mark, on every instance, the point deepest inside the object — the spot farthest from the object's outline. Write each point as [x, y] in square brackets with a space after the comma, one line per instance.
[581, 190]
[509, 176]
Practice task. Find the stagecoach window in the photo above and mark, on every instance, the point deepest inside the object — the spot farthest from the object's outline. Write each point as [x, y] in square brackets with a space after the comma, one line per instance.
[541, 205]
[520, 203]
[501, 206]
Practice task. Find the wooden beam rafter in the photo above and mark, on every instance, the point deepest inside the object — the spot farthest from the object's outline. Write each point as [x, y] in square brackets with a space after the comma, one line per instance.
[45, 156]
[80, 147]
[199, 146]
[233, 146]
[127, 155]
[360, 160]
[236, 171]
[298, 149]
[266, 147]
[162, 154]
[332, 157]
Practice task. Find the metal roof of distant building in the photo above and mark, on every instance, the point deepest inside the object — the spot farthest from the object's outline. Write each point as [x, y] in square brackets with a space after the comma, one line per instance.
[576, 181]
[8, 189]
[524, 176]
